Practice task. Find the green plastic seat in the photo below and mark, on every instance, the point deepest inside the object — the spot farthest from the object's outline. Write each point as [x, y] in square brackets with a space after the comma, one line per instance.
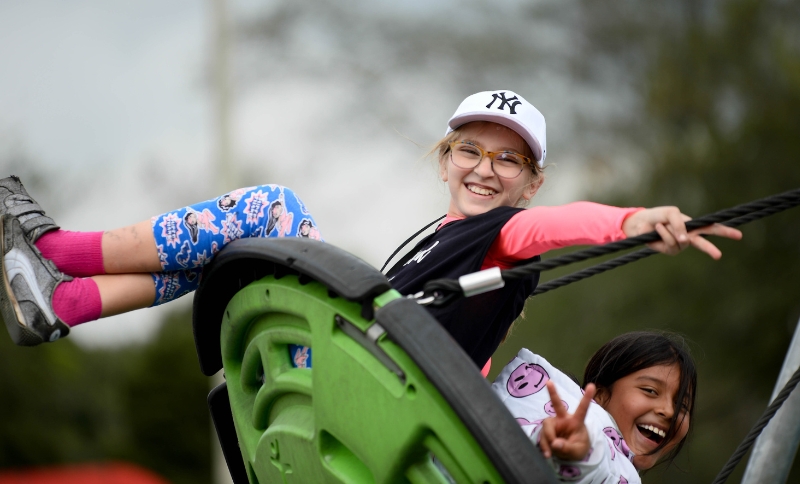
[388, 388]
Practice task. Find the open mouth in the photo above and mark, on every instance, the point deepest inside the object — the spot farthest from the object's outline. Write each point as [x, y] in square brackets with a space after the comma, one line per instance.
[652, 433]
[487, 192]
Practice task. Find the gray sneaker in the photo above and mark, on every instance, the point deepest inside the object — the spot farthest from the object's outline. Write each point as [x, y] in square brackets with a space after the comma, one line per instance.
[26, 289]
[14, 200]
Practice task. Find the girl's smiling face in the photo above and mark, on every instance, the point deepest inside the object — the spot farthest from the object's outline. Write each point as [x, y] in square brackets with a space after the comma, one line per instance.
[478, 190]
[643, 404]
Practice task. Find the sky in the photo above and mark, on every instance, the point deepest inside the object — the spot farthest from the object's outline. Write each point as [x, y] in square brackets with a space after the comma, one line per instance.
[111, 100]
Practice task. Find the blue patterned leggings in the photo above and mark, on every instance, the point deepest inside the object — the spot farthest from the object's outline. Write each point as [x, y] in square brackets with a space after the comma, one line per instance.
[188, 238]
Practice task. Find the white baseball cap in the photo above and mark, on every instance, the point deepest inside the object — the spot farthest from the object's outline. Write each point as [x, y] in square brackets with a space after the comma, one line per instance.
[509, 109]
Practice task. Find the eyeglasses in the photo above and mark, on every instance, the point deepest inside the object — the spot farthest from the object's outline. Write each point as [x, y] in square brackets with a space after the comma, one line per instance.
[505, 164]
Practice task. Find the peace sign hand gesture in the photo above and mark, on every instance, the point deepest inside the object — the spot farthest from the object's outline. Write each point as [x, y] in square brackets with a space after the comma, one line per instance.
[565, 435]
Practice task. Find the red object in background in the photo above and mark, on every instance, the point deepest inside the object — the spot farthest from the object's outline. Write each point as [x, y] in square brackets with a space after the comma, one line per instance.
[111, 473]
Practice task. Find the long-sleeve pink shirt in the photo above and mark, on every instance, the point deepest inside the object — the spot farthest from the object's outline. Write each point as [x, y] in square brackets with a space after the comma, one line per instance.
[535, 231]
[539, 229]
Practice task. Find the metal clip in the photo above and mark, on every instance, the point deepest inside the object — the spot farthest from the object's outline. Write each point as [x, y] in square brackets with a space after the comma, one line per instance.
[422, 301]
[480, 282]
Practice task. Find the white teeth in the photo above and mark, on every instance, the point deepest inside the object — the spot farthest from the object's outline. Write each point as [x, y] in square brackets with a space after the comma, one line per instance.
[655, 430]
[480, 191]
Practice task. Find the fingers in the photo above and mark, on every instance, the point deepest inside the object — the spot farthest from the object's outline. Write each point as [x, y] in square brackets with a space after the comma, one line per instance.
[670, 224]
[668, 245]
[677, 226]
[550, 443]
[583, 406]
[546, 436]
[720, 231]
[704, 245]
[574, 449]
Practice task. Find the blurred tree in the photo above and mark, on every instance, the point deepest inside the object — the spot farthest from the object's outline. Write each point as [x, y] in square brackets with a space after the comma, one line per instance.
[714, 124]
[694, 104]
[142, 404]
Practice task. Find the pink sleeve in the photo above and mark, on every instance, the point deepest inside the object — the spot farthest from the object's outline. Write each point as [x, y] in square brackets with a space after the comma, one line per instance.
[535, 231]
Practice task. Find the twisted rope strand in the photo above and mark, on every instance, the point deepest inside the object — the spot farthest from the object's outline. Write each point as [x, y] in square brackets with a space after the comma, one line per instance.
[594, 270]
[757, 428]
[777, 202]
[641, 254]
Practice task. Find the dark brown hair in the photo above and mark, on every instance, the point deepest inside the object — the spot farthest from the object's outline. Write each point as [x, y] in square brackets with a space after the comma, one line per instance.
[631, 352]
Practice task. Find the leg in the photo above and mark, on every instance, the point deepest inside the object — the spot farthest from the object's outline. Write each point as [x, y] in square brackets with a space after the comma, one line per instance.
[130, 249]
[121, 293]
[87, 299]
[144, 264]
[189, 237]
[182, 239]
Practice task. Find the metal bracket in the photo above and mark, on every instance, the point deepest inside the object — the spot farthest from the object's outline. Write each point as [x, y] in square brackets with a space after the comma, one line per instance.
[421, 299]
[482, 281]
[369, 341]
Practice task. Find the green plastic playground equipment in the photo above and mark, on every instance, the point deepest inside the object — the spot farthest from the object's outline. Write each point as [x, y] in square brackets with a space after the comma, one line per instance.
[388, 388]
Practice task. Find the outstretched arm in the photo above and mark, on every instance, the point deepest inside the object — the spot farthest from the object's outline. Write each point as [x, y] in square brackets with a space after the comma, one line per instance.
[565, 436]
[670, 224]
[540, 229]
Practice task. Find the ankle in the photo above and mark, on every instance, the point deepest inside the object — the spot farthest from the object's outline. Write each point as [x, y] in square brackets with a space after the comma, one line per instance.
[77, 254]
[77, 301]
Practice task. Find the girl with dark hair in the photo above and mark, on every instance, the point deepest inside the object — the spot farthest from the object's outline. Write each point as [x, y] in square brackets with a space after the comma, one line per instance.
[633, 412]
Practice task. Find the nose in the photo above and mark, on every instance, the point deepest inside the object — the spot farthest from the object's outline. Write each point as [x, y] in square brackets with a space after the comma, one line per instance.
[666, 408]
[484, 167]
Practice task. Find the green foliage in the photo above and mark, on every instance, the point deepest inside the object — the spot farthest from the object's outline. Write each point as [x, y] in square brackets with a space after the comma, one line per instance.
[718, 121]
[141, 404]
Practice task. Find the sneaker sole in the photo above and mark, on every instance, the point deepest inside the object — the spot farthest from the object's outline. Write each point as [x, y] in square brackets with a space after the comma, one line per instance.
[9, 307]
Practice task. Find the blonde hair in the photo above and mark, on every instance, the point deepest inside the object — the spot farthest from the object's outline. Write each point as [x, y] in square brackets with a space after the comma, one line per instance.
[442, 148]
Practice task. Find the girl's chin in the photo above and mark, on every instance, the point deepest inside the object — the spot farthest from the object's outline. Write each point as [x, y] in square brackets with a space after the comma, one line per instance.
[474, 210]
[475, 206]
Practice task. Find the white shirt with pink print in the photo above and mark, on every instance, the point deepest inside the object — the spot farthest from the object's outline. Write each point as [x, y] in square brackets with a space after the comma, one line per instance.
[521, 387]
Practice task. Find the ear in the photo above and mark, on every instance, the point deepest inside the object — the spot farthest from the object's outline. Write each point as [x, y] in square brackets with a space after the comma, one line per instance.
[530, 190]
[602, 396]
[443, 168]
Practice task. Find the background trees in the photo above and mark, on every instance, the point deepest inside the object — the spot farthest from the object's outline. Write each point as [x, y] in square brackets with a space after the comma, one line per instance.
[690, 103]
[714, 125]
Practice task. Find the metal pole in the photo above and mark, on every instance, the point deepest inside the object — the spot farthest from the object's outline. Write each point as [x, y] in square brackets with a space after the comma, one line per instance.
[774, 451]
[226, 173]
[226, 168]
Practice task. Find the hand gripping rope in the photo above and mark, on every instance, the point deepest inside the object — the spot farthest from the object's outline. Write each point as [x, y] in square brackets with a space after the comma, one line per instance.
[441, 292]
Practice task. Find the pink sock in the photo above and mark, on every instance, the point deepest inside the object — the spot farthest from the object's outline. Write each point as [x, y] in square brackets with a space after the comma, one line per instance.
[77, 301]
[78, 254]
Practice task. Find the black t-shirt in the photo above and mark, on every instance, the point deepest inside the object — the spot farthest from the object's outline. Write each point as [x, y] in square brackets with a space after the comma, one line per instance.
[480, 322]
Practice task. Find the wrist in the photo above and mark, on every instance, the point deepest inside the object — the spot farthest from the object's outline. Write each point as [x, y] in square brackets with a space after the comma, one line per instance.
[631, 222]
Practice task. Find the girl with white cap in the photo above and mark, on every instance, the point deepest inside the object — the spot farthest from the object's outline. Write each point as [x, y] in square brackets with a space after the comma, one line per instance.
[491, 160]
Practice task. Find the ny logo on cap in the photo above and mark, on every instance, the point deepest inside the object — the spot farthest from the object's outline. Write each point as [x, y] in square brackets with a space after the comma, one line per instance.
[505, 102]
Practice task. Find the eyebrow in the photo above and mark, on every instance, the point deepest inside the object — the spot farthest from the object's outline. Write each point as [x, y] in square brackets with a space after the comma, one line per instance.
[652, 379]
[512, 150]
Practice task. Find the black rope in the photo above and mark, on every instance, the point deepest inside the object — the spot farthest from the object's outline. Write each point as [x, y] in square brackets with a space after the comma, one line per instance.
[757, 428]
[448, 290]
[768, 206]
[592, 271]
[641, 254]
